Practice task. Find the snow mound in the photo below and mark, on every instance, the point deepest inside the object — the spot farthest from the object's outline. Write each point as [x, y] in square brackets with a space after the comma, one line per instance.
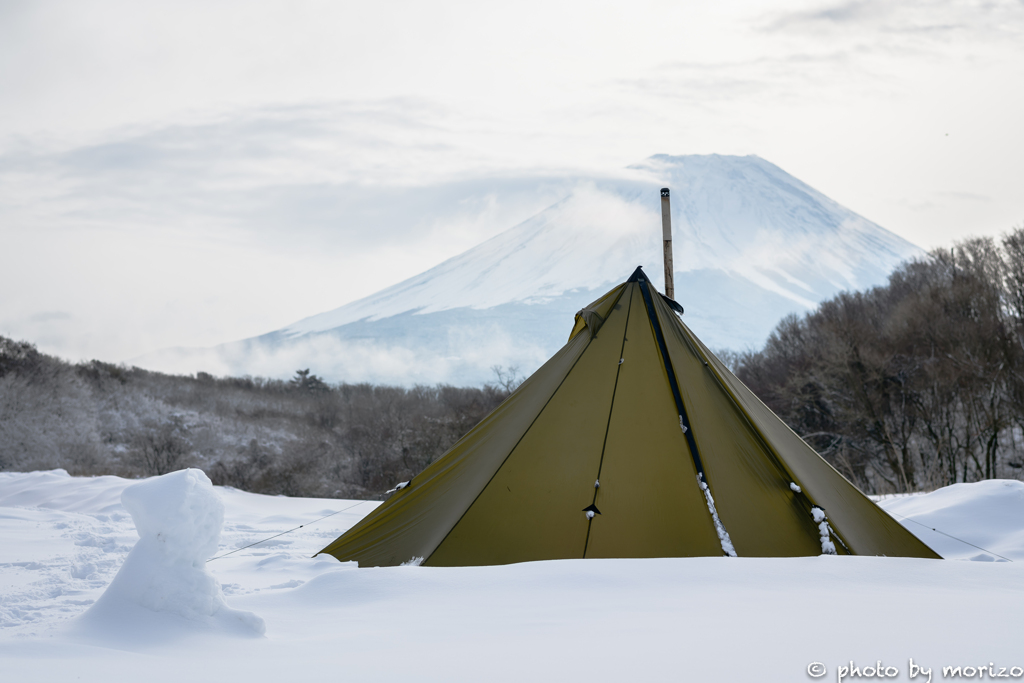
[57, 490]
[163, 589]
[960, 520]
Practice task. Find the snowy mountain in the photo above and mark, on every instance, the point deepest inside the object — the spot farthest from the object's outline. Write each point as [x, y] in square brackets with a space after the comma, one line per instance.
[752, 244]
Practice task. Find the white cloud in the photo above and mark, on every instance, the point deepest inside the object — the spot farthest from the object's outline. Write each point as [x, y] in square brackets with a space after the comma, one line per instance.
[357, 361]
[177, 173]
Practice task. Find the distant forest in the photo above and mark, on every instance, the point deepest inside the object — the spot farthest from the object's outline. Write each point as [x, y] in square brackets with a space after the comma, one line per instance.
[914, 385]
[909, 386]
[301, 437]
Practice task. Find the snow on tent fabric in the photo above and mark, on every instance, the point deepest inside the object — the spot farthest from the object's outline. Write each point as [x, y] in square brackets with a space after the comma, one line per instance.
[723, 535]
[512, 489]
[827, 546]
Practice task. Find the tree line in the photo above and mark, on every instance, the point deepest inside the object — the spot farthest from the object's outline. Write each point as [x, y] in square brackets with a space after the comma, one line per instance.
[912, 385]
[908, 386]
[302, 437]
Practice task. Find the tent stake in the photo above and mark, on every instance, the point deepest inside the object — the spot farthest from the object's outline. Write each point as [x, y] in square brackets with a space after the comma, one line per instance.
[666, 235]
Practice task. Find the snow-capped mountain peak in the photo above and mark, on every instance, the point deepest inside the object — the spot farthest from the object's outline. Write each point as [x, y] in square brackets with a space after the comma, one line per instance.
[752, 244]
[741, 215]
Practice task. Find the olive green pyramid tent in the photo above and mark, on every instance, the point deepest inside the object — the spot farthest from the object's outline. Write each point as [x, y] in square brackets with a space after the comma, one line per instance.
[634, 440]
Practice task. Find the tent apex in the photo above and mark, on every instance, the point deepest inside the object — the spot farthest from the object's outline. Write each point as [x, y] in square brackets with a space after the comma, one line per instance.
[638, 275]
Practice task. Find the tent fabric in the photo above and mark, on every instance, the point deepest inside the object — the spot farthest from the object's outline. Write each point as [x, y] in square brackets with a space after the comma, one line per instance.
[600, 428]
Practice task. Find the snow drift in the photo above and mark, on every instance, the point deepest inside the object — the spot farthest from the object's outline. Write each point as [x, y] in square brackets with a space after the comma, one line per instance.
[711, 618]
[982, 521]
[163, 588]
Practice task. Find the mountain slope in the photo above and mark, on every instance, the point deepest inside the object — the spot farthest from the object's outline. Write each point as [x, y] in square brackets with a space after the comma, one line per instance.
[752, 243]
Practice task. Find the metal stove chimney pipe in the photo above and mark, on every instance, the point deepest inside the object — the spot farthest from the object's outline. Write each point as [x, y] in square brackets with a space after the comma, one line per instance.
[666, 235]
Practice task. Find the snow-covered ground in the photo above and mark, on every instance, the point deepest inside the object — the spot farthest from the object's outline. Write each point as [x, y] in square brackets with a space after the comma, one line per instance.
[714, 619]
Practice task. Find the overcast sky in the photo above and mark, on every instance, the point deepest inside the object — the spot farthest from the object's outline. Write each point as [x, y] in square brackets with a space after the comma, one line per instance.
[190, 173]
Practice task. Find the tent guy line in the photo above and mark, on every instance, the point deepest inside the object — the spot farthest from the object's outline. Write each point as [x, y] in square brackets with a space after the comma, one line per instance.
[949, 536]
[596, 484]
[288, 531]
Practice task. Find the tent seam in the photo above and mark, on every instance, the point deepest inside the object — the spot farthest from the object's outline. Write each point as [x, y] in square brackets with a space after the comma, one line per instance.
[775, 459]
[513, 449]
[608, 423]
[673, 383]
[684, 422]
